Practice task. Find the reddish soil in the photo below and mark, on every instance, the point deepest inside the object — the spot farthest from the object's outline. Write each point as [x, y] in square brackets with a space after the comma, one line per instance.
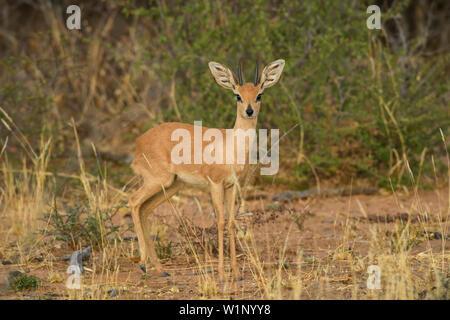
[320, 228]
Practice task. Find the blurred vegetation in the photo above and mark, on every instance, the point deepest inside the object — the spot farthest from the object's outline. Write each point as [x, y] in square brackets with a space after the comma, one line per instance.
[368, 104]
[81, 225]
[23, 282]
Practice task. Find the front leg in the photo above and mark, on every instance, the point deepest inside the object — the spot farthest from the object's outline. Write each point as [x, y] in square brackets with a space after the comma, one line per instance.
[217, 199]
[245, 178]
[230, 199]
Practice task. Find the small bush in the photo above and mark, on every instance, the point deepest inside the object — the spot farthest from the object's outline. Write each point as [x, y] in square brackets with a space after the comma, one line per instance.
[404, 237]
[81, 224]
[164, 250]
[24, 282]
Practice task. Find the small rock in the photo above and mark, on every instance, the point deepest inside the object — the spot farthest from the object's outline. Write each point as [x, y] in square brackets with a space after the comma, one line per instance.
[77, 257]
[113, 292]
[143, 268]
[240, 279]
[434, 234]
[165, 274]
[6, 262]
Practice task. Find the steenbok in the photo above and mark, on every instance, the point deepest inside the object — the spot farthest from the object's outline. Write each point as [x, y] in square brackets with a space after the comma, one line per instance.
[163, 177]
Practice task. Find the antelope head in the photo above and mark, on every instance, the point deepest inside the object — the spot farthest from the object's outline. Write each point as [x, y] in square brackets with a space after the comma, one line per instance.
[248, 95]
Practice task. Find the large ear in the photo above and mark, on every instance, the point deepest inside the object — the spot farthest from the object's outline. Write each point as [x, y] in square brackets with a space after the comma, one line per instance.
[271, 73]
[223, 76]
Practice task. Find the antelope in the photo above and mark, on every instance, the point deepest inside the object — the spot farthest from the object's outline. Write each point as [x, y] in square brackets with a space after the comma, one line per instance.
[162, 178]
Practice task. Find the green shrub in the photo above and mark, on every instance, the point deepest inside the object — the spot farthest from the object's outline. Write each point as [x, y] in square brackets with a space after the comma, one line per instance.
[358, 102]
[363, 101]
[24, 282]
[82, 225]
[164, 251]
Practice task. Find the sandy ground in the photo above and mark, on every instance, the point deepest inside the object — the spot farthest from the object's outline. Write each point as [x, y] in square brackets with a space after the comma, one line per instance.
[319, 240]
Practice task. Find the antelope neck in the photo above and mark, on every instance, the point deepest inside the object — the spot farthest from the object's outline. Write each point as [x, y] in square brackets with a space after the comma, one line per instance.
[245, 124]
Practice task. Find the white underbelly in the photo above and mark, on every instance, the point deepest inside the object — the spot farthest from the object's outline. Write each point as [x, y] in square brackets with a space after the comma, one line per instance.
[193, 180]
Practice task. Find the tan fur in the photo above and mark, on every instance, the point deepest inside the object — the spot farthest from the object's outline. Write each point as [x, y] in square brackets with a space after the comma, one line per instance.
[162, 178]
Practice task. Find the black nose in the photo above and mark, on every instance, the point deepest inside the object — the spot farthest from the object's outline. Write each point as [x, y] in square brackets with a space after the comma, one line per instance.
[249, 111]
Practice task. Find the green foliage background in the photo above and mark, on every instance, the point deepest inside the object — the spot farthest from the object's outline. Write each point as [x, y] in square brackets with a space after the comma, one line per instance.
[357, 101]
[366, 104]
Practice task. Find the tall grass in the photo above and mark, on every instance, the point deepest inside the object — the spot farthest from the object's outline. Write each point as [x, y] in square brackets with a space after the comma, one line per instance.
[362, 100]
[364, 109]
[24, 192]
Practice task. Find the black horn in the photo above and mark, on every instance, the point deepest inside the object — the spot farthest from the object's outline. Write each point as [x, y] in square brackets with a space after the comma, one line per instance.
[255, 82]
[240, 73]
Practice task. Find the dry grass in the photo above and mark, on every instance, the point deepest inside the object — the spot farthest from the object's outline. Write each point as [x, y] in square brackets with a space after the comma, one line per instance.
[314, 249]
[277, 260]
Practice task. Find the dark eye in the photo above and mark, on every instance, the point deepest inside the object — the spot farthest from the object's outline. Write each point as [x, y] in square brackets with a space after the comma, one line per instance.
[258, 98]
[238, 98]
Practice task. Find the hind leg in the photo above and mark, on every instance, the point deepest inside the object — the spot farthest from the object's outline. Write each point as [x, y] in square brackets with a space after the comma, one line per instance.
[136, 201]
[141, 204]
[146, 208]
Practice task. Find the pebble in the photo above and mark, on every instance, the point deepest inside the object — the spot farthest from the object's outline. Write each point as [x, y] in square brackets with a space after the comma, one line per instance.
[113, 292]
